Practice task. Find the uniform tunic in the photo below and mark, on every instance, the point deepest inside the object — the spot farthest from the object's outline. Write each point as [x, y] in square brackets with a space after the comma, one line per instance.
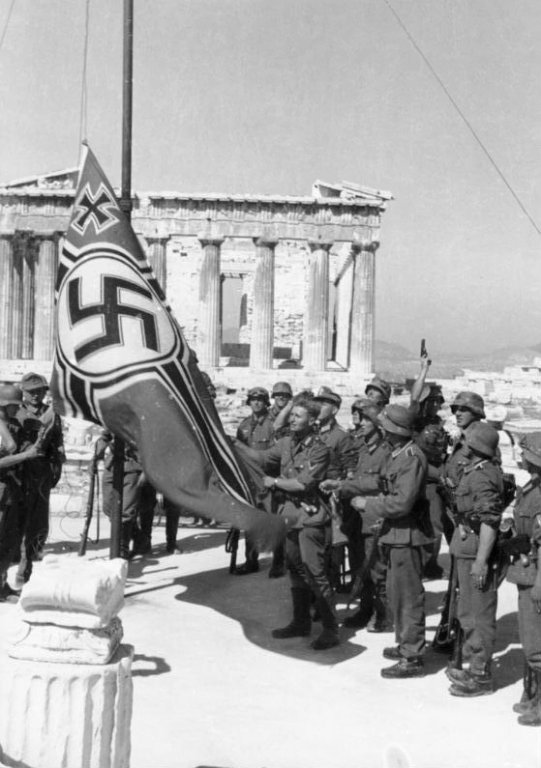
[256, 431]
[281, 431]
[11, 499]
[479, 500]
[405, 531]
[343, 452]
[527, 513]
[309, 538]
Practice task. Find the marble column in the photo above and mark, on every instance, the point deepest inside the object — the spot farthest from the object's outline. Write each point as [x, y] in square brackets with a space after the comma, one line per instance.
[344, 290]
[262, 339]
[157, 258]
[45, 277]
[363, 310]
[6, 292]
[209, 330]
[316, 317]
[28, 299]
[16, 338]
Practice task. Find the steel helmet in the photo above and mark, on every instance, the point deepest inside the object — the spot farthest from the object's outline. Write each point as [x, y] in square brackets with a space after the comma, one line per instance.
[470, 400]
[367, 407]
[382, 386]
[33, 381]
[282, 388]
[398, 420]
[482, 438]
[531, 448]
[10, 395]
[258, 392]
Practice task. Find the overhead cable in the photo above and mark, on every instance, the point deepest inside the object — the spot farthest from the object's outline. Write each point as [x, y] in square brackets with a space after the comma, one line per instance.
[464, 118]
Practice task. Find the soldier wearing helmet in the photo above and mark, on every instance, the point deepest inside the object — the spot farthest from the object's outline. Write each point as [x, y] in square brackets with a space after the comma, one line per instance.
[366, 480]
[468, 408]
[378, 390]
[405, 532]
[40, 475]
[257, 432]
[479, 505]
[282, 394]
[11, 457]
[525, 572]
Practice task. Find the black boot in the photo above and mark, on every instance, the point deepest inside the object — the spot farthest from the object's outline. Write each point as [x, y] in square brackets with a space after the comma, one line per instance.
[474, 684]
[533, 715]
[301, 624]
[329, 637]
[252, 561]
[529, 681]
[360, 619]
[126, 529]
[278, 565]
[404, 668]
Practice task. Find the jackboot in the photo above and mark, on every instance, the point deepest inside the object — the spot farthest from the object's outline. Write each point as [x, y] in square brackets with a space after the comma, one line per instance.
[360, 618]
[529, 681]
[301, 624]
[533, 715]
[278, 565]
[329, 637]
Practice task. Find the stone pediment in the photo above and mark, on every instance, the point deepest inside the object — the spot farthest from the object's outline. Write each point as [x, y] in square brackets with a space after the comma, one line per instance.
[65, 179]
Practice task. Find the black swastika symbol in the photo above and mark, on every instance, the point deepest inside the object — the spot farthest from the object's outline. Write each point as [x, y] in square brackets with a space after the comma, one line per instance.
[111, 311]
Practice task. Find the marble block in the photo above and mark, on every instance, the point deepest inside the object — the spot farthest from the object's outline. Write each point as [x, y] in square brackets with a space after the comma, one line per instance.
[74, 592]
[65, 645]
[66, 715]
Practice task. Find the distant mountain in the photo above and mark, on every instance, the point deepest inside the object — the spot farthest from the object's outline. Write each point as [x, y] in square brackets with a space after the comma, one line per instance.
[397, 363]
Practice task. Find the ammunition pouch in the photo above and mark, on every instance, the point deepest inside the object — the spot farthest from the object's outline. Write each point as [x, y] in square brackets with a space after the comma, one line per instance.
[517, 545]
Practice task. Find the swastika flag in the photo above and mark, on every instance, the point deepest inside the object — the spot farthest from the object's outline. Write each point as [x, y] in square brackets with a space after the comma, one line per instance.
[121, 361]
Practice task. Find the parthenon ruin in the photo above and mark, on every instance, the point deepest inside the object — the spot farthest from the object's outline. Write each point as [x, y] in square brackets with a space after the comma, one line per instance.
[253, 280]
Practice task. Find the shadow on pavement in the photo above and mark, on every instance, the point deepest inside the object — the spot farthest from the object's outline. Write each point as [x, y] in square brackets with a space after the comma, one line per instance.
[260, 604]
[152, 665]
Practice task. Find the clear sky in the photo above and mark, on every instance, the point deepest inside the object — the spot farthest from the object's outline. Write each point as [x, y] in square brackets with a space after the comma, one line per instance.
[269, 95]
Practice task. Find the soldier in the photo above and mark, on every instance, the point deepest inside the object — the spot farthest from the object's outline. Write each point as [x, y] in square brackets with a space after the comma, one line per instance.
[257, 432]
[301, 460]
[41, 474]
[282, 394]
[525, 572]
[364, 550]
[468, 408]
[339, 442]
[478, 513]
[378, 390]
[405, 533]
[11, 497]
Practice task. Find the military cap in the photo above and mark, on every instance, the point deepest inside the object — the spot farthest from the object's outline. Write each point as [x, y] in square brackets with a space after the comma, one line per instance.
[326, 395]
[398, 420]
[282, 388]
[367, 407]
[482, 438]
[470, 400]
[382, 386]
[33, 381]
[10, 395]
[531, 448]
[258, 392]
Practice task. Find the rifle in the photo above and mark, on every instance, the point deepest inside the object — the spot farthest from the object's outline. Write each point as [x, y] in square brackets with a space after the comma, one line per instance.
[93, 474]
[232, 547]
[368, 563]
[448, 636]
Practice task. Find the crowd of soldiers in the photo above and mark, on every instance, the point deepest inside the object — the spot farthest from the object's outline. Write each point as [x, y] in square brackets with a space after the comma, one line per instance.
[373, 501]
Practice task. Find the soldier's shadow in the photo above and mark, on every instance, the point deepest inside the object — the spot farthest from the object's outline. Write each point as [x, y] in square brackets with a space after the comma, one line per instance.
[260, 604]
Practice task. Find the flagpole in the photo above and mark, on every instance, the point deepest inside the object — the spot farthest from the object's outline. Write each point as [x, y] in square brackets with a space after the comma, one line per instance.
[116, 548]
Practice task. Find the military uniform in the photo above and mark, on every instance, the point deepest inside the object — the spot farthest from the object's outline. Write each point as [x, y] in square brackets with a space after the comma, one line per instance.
[11, 501]
[256, 431]
[523, 572]
[279, 432]
[39, 477]
[365, 550]
[478, 500]
[405, 533]
[309, 525]
[342, 450]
